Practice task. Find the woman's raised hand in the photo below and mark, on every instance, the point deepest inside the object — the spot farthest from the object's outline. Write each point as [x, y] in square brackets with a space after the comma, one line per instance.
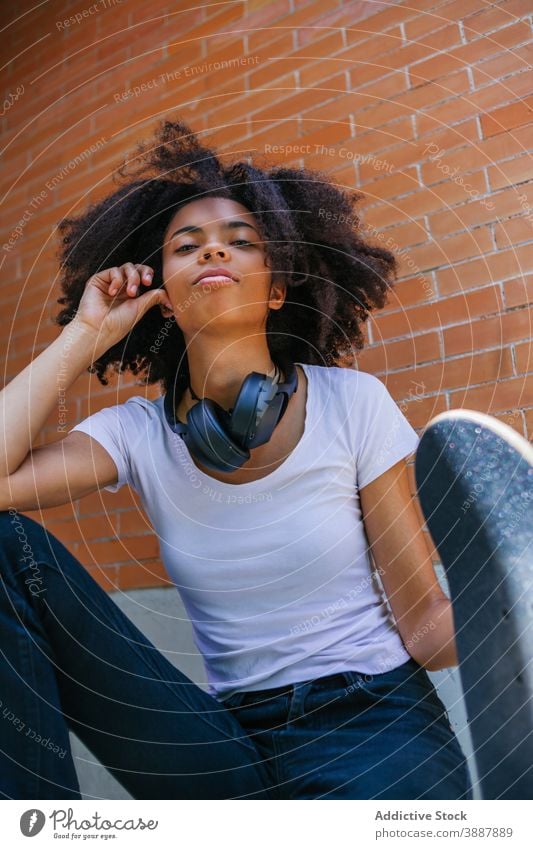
[111, 306]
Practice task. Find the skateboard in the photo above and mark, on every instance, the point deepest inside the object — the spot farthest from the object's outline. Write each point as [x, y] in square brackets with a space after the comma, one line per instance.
[474, 477]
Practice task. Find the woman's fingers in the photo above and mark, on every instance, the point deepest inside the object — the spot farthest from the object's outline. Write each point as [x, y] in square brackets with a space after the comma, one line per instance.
[146, 273]
[116, 280]
[132, 276]
[127, 278]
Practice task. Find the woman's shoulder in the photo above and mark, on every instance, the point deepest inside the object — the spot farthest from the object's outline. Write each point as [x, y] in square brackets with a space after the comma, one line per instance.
[136, 410]
[352, 378]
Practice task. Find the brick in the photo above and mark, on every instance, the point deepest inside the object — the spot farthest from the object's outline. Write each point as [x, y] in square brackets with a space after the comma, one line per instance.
[459, 9]
[420, 98]
[346, 178]
[440, 39]
[487, 332]
[405, 235]
[259, 13]
[314, 14]
[387, 90]
[477, 102]
[459, 57]
[428, 200]
[420, 202]
[491, 19]
[475, 212]
[334, 146]
[267, 36]
[504, 395]
[501, 265]
[450, 138]
[452, 374]
[395, 159]
[392, 185]
[513, 171]
[507, 117]
[444, 251]
[227, 136]
[410, 291]
[286, 108]
[406, 352]
[528, 415]
[337, 109]
[514, 231]
[182, 19]
[515, 420]
[132, 522]
[261, 135]
[96, 527]
[150, 574]
[227, 108]
[419, 26]
[217, 21]
[487, 152]
[524, 357]
[229, 76]
[438, 315]
[271, 56]
[369, 49]
[518, 292]
[389, 17]
[182, 54]
[324, 45]
[119, 550]
[500, 66]
[420, 411]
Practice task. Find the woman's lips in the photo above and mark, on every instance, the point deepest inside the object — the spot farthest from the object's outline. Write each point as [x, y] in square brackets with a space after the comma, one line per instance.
[216, 278]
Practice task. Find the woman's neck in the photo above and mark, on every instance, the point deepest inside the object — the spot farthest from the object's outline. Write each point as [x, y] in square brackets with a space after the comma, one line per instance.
[219, 375]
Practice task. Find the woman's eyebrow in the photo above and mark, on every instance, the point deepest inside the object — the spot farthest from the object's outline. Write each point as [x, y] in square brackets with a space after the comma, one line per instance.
[233, 225]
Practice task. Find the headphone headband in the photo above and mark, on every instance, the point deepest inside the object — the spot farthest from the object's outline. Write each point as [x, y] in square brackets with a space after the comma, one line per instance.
[222, 439]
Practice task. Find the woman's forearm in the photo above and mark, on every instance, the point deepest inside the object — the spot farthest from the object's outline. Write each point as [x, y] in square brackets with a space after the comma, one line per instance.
[28, 400]
[432, 644]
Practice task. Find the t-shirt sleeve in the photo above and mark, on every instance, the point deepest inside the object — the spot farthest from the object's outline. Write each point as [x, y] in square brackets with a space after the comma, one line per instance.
[382, 434]
[114, 428]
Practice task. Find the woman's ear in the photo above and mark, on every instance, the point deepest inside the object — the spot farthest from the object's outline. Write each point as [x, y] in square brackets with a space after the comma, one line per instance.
[278, 291]
[165, 311]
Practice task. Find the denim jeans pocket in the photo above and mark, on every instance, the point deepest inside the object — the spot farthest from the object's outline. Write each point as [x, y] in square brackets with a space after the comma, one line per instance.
[234, 701]
[408, 684]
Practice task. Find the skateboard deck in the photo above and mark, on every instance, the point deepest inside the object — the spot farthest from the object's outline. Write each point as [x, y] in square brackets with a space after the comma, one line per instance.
[474, 477]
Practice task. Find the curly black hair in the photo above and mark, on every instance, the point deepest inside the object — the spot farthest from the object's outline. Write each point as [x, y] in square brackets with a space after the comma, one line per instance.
[312, 236]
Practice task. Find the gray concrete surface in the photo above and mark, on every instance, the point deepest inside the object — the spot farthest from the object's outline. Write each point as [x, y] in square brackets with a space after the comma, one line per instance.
[160, 615]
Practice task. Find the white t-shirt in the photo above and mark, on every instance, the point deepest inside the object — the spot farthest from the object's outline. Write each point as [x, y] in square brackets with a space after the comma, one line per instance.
[274, 574]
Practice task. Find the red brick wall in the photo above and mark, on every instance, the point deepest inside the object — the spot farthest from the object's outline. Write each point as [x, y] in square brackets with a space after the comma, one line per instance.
[424, 105]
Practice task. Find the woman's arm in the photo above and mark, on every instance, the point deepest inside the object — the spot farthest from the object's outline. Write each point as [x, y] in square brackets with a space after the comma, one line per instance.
[422, 611]
[28, 400]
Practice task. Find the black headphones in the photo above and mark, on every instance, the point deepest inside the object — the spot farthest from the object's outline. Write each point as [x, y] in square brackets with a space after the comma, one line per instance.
[221, 439]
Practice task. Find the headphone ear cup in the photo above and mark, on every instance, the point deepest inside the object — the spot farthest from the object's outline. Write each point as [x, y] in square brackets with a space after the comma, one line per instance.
[247, 407]
[269, 420]
[207, 436]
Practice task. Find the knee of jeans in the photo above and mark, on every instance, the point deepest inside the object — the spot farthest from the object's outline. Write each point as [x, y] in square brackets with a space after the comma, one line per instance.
[23, 542]
[13, 524]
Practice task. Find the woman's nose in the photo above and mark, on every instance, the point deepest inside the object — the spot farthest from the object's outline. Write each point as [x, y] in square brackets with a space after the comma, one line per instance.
[220, 251]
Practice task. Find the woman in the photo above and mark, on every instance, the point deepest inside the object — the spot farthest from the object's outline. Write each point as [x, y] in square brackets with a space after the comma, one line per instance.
[210, 272]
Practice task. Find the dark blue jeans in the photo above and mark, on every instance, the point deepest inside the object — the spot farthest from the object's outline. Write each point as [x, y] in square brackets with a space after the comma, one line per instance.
[70, 659]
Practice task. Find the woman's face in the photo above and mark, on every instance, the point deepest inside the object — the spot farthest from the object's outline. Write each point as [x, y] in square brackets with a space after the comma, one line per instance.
[216, 236]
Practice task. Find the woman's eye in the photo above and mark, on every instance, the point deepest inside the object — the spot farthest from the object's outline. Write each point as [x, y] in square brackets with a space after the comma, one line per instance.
[242, 242]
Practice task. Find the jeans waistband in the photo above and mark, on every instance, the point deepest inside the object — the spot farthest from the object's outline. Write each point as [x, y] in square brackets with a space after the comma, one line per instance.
[337, 679]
